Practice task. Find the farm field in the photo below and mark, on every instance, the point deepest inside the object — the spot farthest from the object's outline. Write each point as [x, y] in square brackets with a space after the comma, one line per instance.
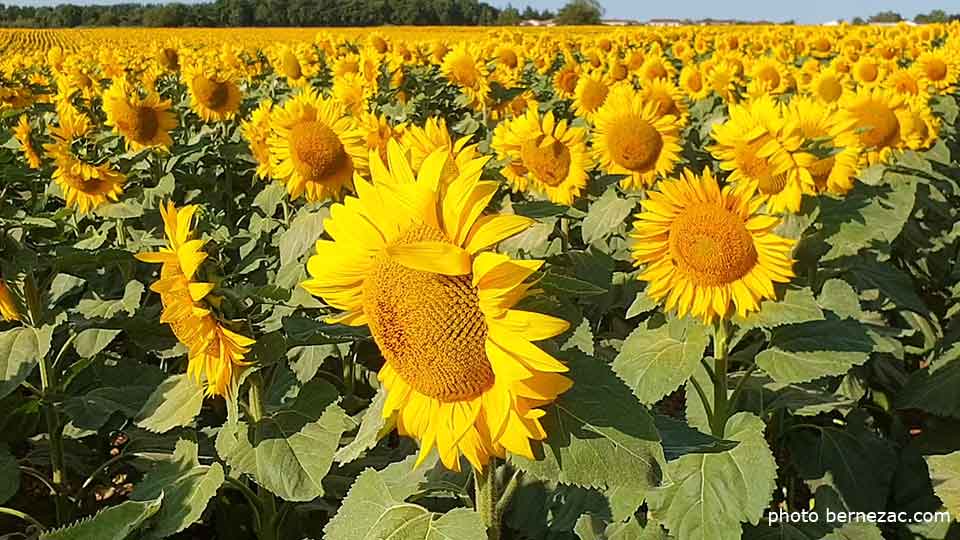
[694, 282]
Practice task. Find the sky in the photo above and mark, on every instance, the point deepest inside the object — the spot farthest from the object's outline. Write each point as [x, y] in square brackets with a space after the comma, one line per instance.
[802, 11]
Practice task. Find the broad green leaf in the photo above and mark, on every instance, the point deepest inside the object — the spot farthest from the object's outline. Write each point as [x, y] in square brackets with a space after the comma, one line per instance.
[290, 451]
[581, 339]
[839, 297]
[606, 215]
[590, 528]
[806, 351]
[855, 531]
[93, 409]
[885, 279]
[563, 285]
[186, 488]
[375, 508]
[865, 216]
[796, 306]
[945, 476]
[91, 341]
[679, 439]
[114, 523]
[373, 427]
[20, 350]
[860, 463]
[935, 388]
[533, 242]
[176, 402]
[712, 494]
[641, 304]
[655, 362]
[304, 230]
[598, 434]
[9, 474]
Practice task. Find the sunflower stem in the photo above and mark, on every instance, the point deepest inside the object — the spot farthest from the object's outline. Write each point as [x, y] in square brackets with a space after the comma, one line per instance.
[720, 405]
[268, 504]
[485, 491]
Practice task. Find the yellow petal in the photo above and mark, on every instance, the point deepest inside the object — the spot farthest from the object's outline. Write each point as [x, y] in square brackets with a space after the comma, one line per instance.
[436, 257]
[491, 229]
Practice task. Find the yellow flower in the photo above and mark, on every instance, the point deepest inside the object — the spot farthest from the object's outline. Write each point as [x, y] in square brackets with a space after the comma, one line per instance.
[214, 98]
[8, 305]
[590, 94]
[423, 141]
[143, 122]
[692, 82]
[407, 259]
[257, 131]
[464, 67]
[314, 147]
[873, 113]
[632, 139]
[543, 155]
[565, 80]
[836, 172]
[828, 86]
[703, 249]
[378, 132]
[938, 69]
[22, 133]
[351, 91]
[667, 96]
[215, 351]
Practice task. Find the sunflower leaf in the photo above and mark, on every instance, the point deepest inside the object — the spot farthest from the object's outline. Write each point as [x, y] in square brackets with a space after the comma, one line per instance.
[655, 362]
[868, 216]
[712, 494]
[945, 475]
[114, 523]
[20, 351]
[810, 350]
[606, 214]
[795, 306]
[176, 402]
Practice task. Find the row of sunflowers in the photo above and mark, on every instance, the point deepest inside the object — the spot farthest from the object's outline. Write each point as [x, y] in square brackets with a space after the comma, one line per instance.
[467, 283]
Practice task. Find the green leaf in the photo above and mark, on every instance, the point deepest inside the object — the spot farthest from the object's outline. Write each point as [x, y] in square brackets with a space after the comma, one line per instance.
[869, 275]
[866, 216]
[562, 285]
[186, 488]
[679, 439]
[9, 474]
[839, 297]
[606, 215]
[796, 306]
[581, 339]
[114, 523]
[655, 362]
[641, 304]
[712, 494]
[598, 435]
[305, 228]
[375, 508]
[91, 341]
[373, 427]
[855, 531]
[20, 350]
[590, 528]
[93, 409]
[270, 197]
[860, 463]
[176, 402]
[934, 388]
[290, 451]
[806, 351]
[945, 476]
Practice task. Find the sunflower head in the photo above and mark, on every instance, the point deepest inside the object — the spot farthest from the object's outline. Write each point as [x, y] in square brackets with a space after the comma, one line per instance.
[214, 98]
[257, 131]
[144, 122]
[9, 309]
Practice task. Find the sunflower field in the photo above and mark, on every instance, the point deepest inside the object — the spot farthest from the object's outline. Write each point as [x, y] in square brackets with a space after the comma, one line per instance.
[466, 284]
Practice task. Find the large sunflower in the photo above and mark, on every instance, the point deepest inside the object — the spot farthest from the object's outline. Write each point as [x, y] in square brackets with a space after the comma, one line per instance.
[143, 122]
[631, 138]
[213, 97]
[406, 258]
[543, 155]
[8, 306]
[315, 147]
[704, 248]
[215, 351]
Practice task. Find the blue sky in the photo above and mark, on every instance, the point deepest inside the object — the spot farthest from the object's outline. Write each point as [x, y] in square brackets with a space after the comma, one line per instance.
[803, 11]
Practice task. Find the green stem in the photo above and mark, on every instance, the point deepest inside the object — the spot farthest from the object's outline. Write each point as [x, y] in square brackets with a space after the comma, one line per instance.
[22, 515]
[485, 491]
[268, 504]
[720, 397]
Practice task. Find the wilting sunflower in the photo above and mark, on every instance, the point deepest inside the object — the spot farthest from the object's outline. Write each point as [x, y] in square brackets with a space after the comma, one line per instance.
[704, 248]
[213, 97]
[8, 305]
[407, 259]
[257, 130]
[423, 141]
[874, 116]
[315, 147]
[758, 145]
[143, 122]
[464, 67]
[216, 352]
[632, 139]
[543, 155]
[22, 133]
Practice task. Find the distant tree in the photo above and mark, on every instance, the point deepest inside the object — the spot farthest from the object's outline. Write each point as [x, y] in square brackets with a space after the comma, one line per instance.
[509, 16]
[580, 12]
[935, 16]
[858, 21]
[886, 17]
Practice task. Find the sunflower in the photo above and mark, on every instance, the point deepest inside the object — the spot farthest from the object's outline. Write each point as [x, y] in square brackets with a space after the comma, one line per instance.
[423, 141]
[314, 147]
[213, 97]
[873, 113]
[168, 58]
[919, 128]
[351, 91]
[828, 85]
[464, 67]
[406, 259]
[836, 170]
[692, 82]
[704, 248]
[215, 352]
[869, 71]
[905, 82]
[22, 133]
[938, 69]
[632, 139]
[143, 122]
[668, 97]
[8, 305]
[257, 131]
[768, 76]
[565, 80]
[289, 66]
[590, 94]
[722, 78]
[543, 155]
[757, 145]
